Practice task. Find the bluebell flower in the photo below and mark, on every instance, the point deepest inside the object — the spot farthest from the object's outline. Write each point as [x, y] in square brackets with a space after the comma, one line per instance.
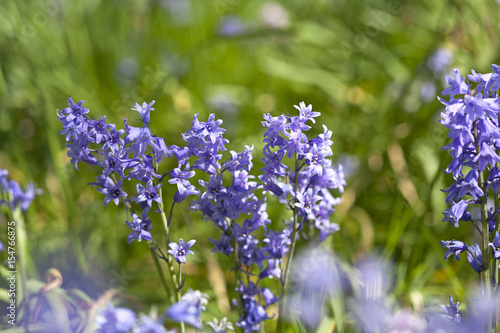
[439, 61]
[495, 245]
[20, 197]
[11, 189]
[98, 130]
[114, 141]
[144, 111]
[220, 327]
[278, 243]
[475, 258]
[273, 269]
[452, 312]
[306, 113]
[275, 125]
[223, 244]
[463, 186]
[214, 188]
[188, 191]
[79, 151]
[137, 230]
[148, 194]
[454, 247]
[2, 247]
[242, 160]
[315, 159]
[179, 251]
[456, 85]
[326, 228]
[144, 171]
[140, 139]
[180, 178]
[455, 212]
[486, 156]
[494, 80]
[113, 192]
[307, 201]
[211, 128]
[254, 315]
[189, 309]
[74, 115]
[208, 161]
[115, 320]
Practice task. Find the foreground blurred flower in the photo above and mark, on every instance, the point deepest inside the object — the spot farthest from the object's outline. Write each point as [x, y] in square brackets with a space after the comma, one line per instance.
[315, 277]
[115, 320]
[439, 61]
[405, 321]
[220, 327]
[370, 309]
[189, 309]
[148, 325]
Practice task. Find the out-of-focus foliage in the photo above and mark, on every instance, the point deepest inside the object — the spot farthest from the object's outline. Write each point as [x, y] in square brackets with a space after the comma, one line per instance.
[363, 64]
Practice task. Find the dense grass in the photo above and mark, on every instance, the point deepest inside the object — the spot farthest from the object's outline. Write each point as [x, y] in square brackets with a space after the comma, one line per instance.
[361, 64]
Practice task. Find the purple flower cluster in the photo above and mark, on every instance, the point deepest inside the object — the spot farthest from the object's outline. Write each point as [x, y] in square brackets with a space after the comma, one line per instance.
[308, 184]
[471, 115]
[12, 195]
[297, 170]
[232, 205]
[125, 154]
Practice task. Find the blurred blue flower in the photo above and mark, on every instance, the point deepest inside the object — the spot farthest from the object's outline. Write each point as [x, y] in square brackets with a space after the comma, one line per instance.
[189, 309]
[439, 61]
[12, 194]
[316, 276]
[231, 26]
[115, 320]
[405, 321]
[148, 325]
[428, 91]
[220, 327]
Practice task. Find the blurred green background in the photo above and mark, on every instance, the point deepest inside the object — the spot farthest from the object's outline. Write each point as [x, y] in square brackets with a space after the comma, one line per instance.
[367, 66]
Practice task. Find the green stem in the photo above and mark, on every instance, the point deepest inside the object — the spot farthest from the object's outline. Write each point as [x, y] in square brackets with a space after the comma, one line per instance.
[292, 248]
[160, 272]
[170, 260]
